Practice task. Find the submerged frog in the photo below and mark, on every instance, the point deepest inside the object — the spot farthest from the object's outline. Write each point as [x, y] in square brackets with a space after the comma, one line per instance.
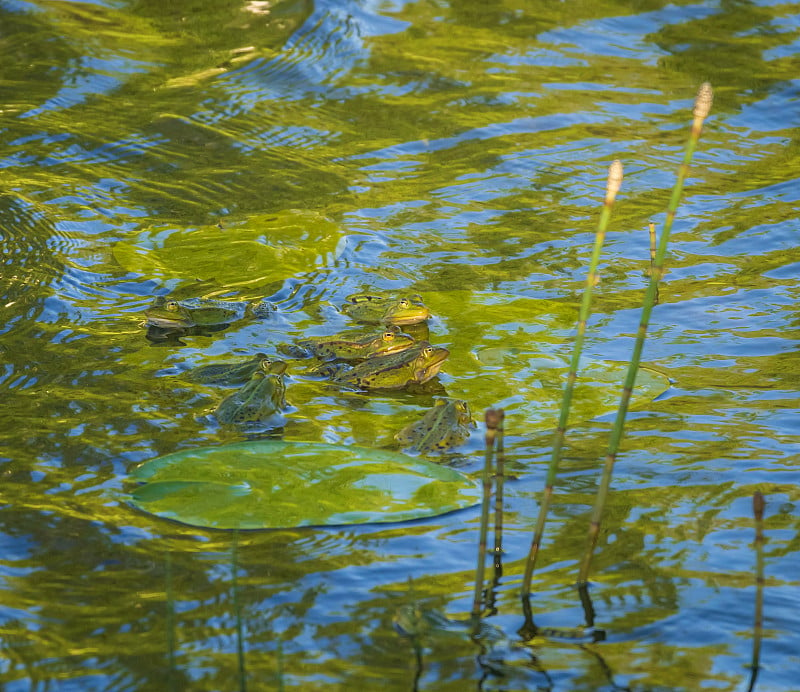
[386, 310]
[193, 312]
[229, 374]
[260, 398]
[171, 336]
[344, 347]
[419, 364]
[446, 425]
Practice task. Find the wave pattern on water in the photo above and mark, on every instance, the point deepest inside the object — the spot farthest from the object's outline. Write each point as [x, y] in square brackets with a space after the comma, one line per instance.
[303, 152]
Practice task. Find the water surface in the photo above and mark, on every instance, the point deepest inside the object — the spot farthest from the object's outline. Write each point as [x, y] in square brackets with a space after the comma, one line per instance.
[304, 151]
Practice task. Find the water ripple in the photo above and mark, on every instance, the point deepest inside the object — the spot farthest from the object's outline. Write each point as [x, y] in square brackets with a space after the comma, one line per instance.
[301, 152]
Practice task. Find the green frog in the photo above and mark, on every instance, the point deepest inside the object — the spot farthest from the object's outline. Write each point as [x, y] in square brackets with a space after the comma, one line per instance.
[229, 374]
[344, 347]
[201, 312]
[418, 364]
[446, 425]
[260, 398]
[383, 310]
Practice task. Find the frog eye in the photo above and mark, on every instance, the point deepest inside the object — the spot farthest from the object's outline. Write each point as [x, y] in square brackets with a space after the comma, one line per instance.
[172, 306]
[403, 303]
[388, 336]
[427, 351]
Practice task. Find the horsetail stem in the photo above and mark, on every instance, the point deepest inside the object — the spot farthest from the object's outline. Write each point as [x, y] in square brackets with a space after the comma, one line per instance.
[652, 230]
[702, 105]
[491, 418]
[758, 619]
[612, 188]
[498, 497]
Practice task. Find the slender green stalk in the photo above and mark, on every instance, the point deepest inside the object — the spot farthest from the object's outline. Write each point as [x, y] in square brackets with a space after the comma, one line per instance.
[499, 483]
[652, 229]
[491, 418]
[612, 188]
[758, 620]
[702, 105]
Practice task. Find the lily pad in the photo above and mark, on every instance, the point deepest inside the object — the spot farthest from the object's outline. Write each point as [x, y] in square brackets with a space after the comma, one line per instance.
[270, 484]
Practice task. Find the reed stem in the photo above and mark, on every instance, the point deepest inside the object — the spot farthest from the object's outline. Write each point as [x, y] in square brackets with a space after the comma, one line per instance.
[491, 418]
[758, 619]
[651, 227]
[612, 188]
[702, 105]
[652, 230]
[498, 497]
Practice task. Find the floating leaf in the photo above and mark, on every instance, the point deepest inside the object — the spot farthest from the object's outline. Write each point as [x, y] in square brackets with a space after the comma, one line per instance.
[269, 484]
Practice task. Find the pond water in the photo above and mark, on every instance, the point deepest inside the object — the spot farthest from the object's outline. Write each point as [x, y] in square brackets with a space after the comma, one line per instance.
[301, 152]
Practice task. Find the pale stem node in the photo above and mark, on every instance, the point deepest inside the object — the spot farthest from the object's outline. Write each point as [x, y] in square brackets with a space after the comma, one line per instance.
[614, 180]
[702, 104]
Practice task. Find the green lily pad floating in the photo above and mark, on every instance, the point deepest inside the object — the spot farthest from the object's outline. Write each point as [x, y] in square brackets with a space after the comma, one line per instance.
[270, 484]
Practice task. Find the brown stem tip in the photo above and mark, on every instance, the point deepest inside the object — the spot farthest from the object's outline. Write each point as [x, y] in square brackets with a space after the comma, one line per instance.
[494, 417]
[702, 104]
[758, 505]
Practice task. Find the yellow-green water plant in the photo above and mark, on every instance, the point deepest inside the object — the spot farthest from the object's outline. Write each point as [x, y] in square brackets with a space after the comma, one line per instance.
[612, 188]
[758, 618]
[702, 106]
